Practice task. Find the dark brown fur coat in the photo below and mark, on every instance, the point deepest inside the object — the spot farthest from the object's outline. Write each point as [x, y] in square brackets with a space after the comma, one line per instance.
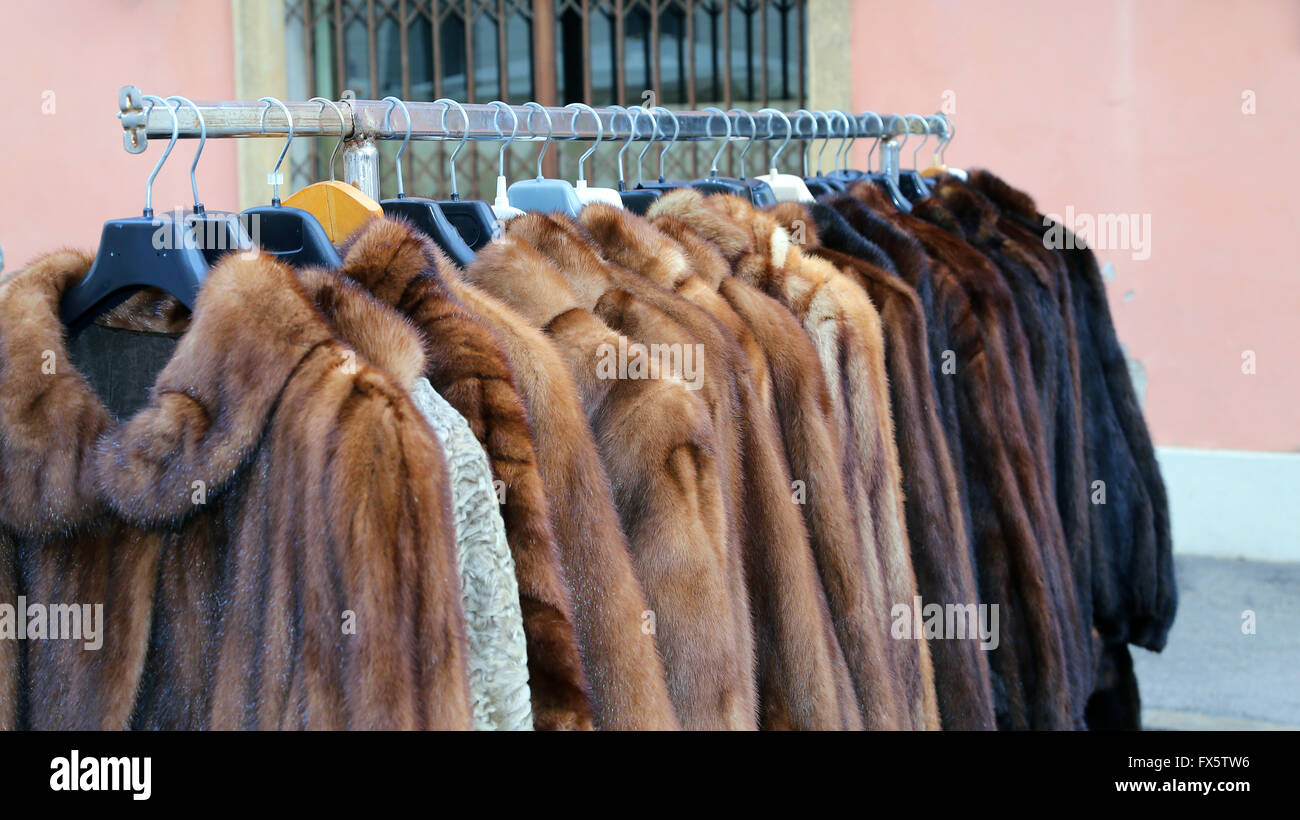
[324, 493]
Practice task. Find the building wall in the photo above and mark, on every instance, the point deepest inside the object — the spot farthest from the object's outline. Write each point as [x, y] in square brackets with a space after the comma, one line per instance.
[64, 169]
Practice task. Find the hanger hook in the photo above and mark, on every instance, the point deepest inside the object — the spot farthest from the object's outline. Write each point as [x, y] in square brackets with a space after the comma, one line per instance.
[789, 131]
[753, 131]
[451, 160]
[342, 126]
[176, 129]
[808, 140]
[880, 130]
[613, 134]
[841, 160]
[952, 132]
[496, 123]
[600, 134]
[393, 101]
[849, 123]
[924, 124]
[654, 131]
[677, 129]
[203, 139]
[550, 132]
[905, 133]
[826, 140]
[275, 172]
[708, 126]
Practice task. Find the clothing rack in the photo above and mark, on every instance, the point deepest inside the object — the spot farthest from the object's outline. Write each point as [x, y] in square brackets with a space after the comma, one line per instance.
[364, 121]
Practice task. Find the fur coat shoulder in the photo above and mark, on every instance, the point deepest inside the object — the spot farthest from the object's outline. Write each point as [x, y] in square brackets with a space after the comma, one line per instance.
[276, 487]
[465, 363]
[658, 445]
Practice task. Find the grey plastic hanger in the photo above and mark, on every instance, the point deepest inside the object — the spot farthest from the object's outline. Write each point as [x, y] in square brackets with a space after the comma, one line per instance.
[541, 194]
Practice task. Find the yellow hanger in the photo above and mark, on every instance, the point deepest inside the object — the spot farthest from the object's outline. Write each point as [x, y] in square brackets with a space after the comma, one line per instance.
[340, 208]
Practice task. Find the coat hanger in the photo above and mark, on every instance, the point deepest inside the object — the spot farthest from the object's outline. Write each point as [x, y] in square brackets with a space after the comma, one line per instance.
[818, 184]
[760, 193]
[216, 231]
[340, 208]
[787, 187]
[423, 214]
[589, 195]
[883, 178]
[714, 184]
[291, 234]
[473, 219]
[911, 182]
[541, 194]
[842, 172]
[661, 184]
[946, 132]
[639, 199]
[501, 205]
[138, 252]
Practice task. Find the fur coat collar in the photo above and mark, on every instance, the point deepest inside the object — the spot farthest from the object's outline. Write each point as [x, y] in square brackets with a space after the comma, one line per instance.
[273, 480]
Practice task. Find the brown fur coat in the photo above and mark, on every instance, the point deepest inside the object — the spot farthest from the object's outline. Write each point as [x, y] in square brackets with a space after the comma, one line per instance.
[802, 676]
[276, 482]
[509, 381]
[658, 445]
[465, 364]
[846, 331]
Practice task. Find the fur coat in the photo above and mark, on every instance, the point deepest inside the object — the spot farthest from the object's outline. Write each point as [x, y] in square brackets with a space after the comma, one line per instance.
[845, 328]
[940, 551]
[515, 390]
[658, 445]
[1134, 596]
[270, 535]
[1013, 531]
[465, 364]
[802, 677]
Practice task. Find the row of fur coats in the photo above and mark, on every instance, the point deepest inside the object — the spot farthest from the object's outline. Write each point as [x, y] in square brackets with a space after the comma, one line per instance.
[729, 444]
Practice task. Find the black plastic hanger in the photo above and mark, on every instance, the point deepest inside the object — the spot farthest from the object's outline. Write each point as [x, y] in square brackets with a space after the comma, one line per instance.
[661, 184]
[714, 184]
[819, 184]
[138, 252]
[217, 232]
[292, 235]
[842, 173]
[639, 199]
[760, 193]
[473, 219]
[423, 214]
[914, 186]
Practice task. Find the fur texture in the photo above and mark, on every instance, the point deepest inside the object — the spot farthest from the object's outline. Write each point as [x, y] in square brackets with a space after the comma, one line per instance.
[657, 442]
[940, 550]
[325, 493]
[464, 362]
[801, 669]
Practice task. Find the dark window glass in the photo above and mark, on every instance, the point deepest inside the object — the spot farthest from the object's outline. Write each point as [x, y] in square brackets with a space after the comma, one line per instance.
[519, 58]
[452, 45]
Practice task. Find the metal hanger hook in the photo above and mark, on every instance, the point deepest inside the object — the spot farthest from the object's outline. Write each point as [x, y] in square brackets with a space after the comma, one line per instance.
[677, 129]
[613, 134]
[905, 133]
[342, 126]
[451, 160]
[275, 172]
[753, 132]
[841, 153]
[880, 131]
[203, 139]
[514, 130]
[708, 127]
[943, 148]
[654, 131]
[808, 140]
[789, 131]
[393, 101]
[550, 132]
[600, 134]
[830, 132]
[924, 124]
[176, 130]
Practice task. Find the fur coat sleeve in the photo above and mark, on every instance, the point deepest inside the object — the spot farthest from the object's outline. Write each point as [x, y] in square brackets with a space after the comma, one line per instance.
[270, 535]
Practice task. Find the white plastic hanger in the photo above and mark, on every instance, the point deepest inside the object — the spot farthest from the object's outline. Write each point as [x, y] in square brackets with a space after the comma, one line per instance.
[501, 205]
[585, 194]
[787, 187]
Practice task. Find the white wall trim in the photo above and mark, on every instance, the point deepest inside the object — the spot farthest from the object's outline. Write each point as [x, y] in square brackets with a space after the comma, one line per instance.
[1233, 503]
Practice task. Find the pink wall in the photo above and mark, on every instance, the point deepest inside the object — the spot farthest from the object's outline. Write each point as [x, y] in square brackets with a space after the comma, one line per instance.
[84, 52]
[1118, 106]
